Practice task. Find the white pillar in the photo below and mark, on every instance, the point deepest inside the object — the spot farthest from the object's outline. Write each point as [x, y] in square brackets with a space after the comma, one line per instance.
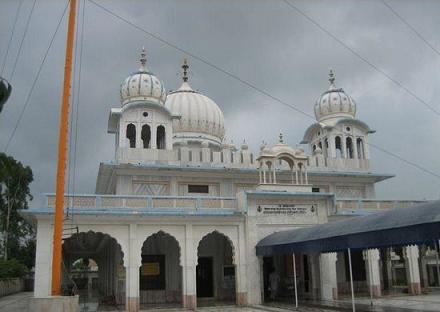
[189, 288]
[240, 265]
[344, 146]
[296, 174]
[134, 261]
[372, 268]
[328, 279]
[411, 255]
[274, 175]
[43, 259]
[306, 175]
[153, 136]
[331, 153]
[355, 150]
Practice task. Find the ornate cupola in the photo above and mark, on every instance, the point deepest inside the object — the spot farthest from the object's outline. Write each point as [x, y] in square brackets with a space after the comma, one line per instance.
[337, 133]
[201, 121]
[334, 103]
[143, 125]
[142, 85]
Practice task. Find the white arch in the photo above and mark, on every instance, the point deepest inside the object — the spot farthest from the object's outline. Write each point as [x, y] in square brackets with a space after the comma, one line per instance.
[232, 239]
[124, 254]
[166, 234]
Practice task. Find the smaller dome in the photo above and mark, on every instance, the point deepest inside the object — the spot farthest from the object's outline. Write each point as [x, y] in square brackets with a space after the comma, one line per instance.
[244, 146]
[143, 86]
[334, 103]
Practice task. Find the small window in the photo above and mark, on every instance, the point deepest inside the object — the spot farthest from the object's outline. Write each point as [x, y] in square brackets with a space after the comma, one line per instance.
[145, 114]
[348, 129]
[198, 189]
[315, 189]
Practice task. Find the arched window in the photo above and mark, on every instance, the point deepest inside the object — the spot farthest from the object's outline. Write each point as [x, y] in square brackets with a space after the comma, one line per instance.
[146, 136]
[338, 147]
[160, 137]
[131, 135]
[360, 148]
[349, 146]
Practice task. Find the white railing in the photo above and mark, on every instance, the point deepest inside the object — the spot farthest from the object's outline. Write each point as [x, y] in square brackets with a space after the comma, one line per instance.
[376, 204]
[149, 202]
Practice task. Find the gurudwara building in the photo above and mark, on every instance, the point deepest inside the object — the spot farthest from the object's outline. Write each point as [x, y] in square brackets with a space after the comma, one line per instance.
[176, 216]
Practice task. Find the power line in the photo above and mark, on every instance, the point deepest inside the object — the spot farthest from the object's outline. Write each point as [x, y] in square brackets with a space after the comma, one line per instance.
[72, 111]
[250, 85]
[400, 17]
[10, 37]
[22, 39]
[365, 60]
[26, 103]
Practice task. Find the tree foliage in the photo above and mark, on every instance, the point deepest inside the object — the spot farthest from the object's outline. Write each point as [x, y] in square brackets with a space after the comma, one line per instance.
[12, 268]
[14, 195]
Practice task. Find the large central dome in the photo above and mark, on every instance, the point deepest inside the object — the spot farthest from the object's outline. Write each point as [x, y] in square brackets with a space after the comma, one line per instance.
[201, 119]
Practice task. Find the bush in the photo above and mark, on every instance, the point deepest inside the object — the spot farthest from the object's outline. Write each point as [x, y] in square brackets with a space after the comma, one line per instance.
[12, 269]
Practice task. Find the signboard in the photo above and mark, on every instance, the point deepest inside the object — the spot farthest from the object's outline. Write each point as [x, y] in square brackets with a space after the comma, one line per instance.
[151, 269]
[287, 209]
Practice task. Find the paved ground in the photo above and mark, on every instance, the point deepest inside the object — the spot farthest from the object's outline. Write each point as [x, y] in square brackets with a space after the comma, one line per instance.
[15, 303]
[431, 302]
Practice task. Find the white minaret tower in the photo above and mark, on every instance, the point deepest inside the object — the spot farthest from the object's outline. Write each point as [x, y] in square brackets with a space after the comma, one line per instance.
[143, 125]
[337, 133]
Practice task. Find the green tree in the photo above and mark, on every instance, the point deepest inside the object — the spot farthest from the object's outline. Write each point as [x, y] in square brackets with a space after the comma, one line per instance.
[18, 235]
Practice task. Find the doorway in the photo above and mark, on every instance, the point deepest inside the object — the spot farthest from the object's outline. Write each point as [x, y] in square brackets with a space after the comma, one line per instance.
[205, 280]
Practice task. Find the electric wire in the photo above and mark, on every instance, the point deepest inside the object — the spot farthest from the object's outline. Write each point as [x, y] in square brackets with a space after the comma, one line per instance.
[250, 85]
[17, 13]
[418, 34]
[364, 59]
[77, 107]
[72, 113]
[26, 28]
[28, 98]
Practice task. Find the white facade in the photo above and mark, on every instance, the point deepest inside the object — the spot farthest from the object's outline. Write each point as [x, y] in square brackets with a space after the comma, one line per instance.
[177, 215]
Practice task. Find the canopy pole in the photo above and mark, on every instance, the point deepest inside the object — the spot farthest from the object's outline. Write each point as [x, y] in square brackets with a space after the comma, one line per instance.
[437, 245]
[351, 280]
[370, 273]
[294, 281]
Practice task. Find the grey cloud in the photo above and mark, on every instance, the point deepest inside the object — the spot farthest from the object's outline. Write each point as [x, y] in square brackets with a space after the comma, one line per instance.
[264, 42]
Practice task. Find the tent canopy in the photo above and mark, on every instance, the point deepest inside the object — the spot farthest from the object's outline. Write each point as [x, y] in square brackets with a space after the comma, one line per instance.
[396, 227]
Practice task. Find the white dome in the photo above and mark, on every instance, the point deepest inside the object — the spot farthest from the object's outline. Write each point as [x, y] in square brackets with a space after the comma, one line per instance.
[334, 103]
[201, 119]
[143, 86]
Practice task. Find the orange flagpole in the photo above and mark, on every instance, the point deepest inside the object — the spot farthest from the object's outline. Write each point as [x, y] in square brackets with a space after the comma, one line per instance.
[62, 156]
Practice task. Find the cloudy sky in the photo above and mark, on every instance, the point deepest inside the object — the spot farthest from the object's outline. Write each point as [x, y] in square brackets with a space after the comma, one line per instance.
[264, 42]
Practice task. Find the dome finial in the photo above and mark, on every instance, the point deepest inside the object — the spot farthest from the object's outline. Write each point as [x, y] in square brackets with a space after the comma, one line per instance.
[185, 67]
[143, 60]
[281, 137]
[331, 78]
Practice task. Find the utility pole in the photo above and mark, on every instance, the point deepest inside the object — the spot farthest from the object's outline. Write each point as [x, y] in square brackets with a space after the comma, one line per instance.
[62, 155]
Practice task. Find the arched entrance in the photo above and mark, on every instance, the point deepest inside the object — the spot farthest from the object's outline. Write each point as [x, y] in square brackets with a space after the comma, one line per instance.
[160, 275]
[93, 268]
[215, 272]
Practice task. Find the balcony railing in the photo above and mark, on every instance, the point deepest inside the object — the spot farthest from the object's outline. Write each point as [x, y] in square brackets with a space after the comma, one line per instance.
[148, 202]
[373, 204]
